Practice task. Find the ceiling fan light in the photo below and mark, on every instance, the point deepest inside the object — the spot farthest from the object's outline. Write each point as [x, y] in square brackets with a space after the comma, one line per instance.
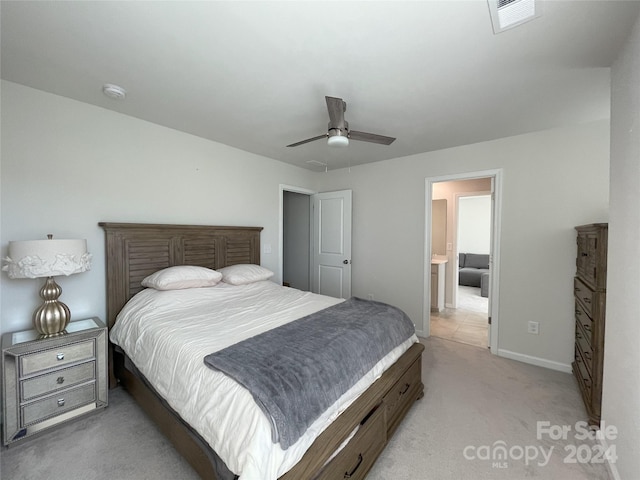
[338, 141]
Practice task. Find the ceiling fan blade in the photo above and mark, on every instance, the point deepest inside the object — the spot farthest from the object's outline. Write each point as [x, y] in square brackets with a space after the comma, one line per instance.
[370, 137]
[308, 140]
[336, 107]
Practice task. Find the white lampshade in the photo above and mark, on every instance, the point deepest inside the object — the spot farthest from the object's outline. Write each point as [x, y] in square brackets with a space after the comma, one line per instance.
[46, 258]
[338, 141]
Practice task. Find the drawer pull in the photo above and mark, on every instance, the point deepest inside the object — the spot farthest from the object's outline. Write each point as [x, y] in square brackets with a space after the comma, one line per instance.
[352, 472]
[578, 313]
[60, 380]
[61, 402]
[404, 390]
[579, 336]
[587, 327]
[586, 299]
[60, 356]
[587, 355]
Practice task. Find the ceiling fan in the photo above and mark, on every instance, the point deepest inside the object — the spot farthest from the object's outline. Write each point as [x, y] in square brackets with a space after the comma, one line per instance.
[338, 133]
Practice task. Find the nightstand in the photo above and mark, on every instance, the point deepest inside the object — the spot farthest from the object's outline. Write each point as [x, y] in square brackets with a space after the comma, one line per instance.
[51, 380]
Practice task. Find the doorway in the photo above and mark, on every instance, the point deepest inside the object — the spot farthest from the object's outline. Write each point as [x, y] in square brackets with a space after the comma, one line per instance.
[315, 241]
[296, 239]
[462, 305]
[465, 318]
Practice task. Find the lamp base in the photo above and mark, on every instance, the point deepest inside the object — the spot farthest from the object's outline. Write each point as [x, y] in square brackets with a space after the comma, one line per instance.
[53, 316]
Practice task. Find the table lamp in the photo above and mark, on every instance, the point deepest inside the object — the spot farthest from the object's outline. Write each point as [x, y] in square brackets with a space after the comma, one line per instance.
[48, 258]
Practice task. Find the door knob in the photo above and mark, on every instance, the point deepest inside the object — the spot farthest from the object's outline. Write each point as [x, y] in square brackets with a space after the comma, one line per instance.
[346, 262]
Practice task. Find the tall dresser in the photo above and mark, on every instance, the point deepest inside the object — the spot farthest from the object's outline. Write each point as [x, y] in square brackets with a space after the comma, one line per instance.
[590, 290]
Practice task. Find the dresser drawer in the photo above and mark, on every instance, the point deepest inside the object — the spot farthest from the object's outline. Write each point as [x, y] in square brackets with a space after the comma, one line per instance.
[55, 357]
[57, 380]
[402, 395]
[584, 295]
[586, 261]
[582, 373]
[584, 320]
[56, 404]
[358, 456]
[584, 349]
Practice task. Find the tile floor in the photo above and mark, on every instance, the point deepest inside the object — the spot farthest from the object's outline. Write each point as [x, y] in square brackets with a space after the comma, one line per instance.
[465, 324]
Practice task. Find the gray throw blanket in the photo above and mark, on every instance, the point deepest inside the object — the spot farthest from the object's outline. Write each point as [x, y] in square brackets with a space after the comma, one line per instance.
[296, 371]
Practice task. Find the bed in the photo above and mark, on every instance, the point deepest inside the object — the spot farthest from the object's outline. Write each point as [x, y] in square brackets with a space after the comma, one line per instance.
[347, 440]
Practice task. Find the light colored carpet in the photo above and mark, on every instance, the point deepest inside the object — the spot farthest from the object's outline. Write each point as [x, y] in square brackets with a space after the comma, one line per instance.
[472, 400]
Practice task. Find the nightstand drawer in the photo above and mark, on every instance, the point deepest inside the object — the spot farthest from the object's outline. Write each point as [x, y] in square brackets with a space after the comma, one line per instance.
[57, 380]
[55, 357]
[56, 404]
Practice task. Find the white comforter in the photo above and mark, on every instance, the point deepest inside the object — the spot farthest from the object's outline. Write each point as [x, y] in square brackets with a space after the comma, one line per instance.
[167, 334]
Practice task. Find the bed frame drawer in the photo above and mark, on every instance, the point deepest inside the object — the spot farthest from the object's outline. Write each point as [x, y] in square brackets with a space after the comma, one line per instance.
[356, 459]
[402, 395]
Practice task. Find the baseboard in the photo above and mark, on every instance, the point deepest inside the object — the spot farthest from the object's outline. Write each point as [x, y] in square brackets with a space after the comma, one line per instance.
[540, 362]
[612, 467]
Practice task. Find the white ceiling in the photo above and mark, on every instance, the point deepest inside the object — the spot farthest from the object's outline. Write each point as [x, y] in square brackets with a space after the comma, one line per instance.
[253, 75]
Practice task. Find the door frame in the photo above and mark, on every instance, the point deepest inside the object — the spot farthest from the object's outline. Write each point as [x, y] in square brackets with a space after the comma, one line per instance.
[497, 175]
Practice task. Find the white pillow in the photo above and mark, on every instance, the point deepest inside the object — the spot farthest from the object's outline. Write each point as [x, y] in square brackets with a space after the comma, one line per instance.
[244, 273]
[182, 276]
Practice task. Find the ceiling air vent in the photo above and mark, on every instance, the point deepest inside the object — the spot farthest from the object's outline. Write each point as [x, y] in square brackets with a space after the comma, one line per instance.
[506, 14]
[316, 163]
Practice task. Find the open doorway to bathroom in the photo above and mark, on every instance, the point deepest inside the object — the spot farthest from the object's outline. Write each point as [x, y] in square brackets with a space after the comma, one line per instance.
[462, 251]
[471, 312]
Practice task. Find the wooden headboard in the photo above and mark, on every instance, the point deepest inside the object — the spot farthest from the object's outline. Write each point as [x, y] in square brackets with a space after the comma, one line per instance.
[135, 250]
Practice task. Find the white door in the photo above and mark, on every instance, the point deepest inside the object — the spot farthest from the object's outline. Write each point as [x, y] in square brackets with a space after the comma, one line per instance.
[331, 259]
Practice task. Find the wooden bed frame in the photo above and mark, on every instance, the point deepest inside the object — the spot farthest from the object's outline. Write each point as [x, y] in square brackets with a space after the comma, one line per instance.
[136, 250]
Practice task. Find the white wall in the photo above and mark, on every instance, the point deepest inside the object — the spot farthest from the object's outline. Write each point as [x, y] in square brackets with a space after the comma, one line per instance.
[67, 165]
[474, 224]
[621, 393]
[553, 180]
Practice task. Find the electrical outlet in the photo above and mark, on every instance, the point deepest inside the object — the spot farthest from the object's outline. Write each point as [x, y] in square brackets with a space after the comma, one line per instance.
[369, 296]
[534, 328]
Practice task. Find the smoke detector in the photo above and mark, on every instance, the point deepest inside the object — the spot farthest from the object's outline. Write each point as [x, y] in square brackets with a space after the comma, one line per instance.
[506, 14]
[114, 92]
